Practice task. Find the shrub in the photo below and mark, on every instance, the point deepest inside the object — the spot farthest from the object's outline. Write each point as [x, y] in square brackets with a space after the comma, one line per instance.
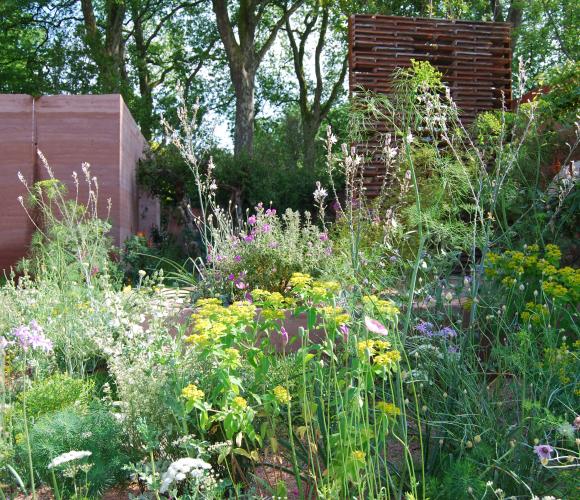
[94, 429]
[56, 393]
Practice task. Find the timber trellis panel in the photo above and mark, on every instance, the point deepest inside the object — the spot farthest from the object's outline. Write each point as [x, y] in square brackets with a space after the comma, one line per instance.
[474, 57]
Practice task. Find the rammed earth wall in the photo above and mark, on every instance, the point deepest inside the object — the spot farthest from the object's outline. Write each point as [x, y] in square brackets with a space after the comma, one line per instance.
[70, 130]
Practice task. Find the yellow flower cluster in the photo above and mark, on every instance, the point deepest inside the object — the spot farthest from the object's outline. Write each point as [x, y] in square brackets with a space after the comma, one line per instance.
[385, 308]
[334, 314]
[282, 395]
[300, 280]
[380, 352]
[359, 455]
[232, 358]
[192, 393]
[388, 359]
[314, 289]
[212, 320]
[536, 313]
[388, 409]
[240, 403]
[515, 266]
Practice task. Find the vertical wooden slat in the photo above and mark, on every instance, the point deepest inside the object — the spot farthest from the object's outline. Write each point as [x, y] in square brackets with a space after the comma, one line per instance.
[474, 58]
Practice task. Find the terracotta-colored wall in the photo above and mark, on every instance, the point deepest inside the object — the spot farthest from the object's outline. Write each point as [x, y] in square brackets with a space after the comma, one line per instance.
[16, 155]
[69, 130]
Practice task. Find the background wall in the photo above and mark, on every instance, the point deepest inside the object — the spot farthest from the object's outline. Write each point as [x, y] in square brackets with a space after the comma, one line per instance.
[69, 130]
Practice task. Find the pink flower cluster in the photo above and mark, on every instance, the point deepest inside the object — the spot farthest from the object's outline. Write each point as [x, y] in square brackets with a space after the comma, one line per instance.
[32, 336]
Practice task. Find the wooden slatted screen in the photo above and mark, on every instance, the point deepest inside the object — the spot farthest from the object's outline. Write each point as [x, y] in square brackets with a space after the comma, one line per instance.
[474, 58]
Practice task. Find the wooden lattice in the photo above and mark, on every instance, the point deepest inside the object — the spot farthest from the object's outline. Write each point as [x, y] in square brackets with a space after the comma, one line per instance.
[474, 58]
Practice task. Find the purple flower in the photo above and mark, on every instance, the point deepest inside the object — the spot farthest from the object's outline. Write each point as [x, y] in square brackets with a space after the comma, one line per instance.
[252, 220]
[328, 251]
[323, 237]
[393, 258]
[266, 228]
[32, 336]
[284, 335]
[375, 326]
[344, 330]
[544, 451]
[453, 349]
[240, 285]
[271, 212]
[447, 332]
[237, 258]
[231, 277]
[425, 328]
[249, 238]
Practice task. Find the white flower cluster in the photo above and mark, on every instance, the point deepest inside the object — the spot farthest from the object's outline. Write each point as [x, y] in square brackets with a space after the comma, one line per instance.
[70, 456]
[180, 469]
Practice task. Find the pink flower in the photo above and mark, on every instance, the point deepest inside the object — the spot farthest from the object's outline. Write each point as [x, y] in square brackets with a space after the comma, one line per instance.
[237, 258]
[249, 238]
[231, 277]
[344, 330]
[544, 451]
[252, 220]
[240, 285]
[375, 326]
[323, 237]
[284, 335]
[266, 228]
[271, 212]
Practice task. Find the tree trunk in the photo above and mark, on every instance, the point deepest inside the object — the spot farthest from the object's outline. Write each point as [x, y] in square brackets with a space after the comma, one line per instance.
[244, 86]
[310, 128]
[145, 114]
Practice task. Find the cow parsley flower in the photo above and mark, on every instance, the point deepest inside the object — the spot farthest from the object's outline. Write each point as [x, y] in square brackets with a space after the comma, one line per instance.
[67, 457]
[181, 469]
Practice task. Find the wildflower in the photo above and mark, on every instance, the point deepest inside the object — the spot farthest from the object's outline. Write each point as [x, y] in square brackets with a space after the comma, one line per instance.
[249, 238]
[388, 409]
[192, 393]
[237, 258]
[240, 403]
[387, 359]
[180, 469]
[425, 328]
[477, 439]
[252, 220]
[447, 332]
[375, 326]
[366, 347]
[344, 330]
[359, 455]
[284, 335]
[3, 343]
[270, 212]
[70, 456]
[231, 277]
[32, 336]
[319, 193]
[282, 395]
[141, 273]
[323, 237]
[448, 296]
[544, 452]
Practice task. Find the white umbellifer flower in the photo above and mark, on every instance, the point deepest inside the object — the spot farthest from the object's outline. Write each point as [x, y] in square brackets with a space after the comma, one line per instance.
[179, 470]
[69, 456]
